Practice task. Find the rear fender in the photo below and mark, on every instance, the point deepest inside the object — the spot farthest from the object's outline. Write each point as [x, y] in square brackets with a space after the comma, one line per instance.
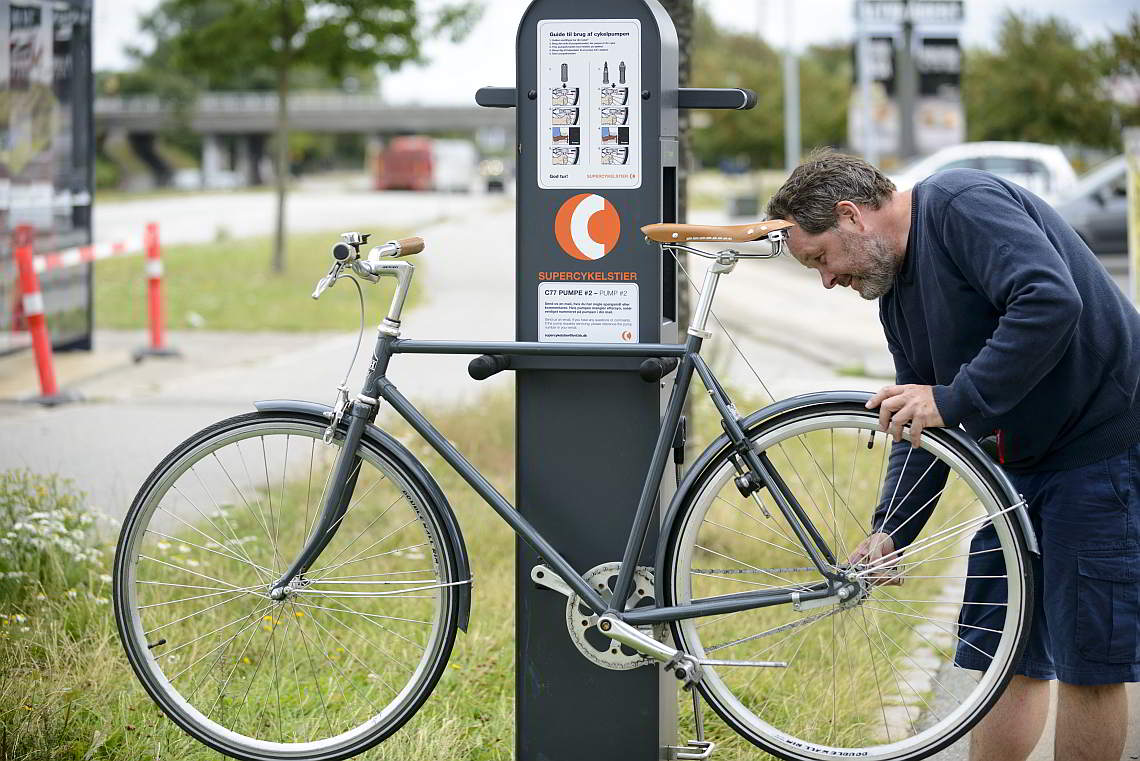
[399, 453]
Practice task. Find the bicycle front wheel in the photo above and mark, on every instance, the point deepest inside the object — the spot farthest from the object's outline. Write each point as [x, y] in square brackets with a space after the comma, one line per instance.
[354, 648]
[874, 678]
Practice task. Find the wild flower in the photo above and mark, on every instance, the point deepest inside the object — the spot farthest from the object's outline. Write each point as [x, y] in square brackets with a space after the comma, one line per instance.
[48, 543]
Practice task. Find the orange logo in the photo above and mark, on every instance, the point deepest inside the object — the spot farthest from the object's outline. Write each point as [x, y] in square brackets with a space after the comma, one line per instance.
[587, 226]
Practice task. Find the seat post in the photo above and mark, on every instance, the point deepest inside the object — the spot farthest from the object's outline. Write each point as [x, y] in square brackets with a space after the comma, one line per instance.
[725, 263]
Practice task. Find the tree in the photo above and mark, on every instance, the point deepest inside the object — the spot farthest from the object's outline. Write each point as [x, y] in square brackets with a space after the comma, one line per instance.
[1040, 84]
[1122, 55]
[730, 59]
[217, 43]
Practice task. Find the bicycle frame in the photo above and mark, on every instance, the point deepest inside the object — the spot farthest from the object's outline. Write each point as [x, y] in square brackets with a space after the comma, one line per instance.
[377, 385]
[754, 466]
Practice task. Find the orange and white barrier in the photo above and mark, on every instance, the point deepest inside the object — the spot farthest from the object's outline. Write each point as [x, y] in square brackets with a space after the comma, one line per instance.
[23, 244]
[32, 265]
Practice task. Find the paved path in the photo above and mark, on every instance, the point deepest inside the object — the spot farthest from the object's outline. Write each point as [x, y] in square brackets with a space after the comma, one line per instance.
[314, 205]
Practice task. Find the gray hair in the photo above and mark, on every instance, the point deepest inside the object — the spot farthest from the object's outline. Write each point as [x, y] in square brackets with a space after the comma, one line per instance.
[825, 178]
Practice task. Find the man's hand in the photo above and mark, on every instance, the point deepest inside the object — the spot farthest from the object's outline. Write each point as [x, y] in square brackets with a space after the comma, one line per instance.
[899, 405]
[879, 549]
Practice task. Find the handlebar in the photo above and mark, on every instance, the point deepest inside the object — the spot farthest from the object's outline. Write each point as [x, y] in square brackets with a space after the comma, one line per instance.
[398, 248]
[346, 253]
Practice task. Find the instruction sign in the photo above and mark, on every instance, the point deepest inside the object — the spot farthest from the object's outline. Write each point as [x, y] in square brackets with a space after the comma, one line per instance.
[584, 313]
[589, 103]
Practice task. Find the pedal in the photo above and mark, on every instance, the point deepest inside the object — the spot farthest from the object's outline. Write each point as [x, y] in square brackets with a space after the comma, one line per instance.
[693, 749]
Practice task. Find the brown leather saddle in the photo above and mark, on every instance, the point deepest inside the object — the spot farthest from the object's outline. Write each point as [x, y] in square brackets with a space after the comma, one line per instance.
[677, 233]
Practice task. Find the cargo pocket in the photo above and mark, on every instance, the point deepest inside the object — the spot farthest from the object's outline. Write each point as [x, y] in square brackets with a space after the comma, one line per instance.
[1108, 606]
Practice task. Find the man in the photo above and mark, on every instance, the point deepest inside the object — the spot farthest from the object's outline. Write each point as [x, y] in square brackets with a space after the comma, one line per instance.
[1001, 320]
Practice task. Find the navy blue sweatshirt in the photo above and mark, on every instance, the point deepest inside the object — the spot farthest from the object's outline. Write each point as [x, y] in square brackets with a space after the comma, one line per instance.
[1002, 308]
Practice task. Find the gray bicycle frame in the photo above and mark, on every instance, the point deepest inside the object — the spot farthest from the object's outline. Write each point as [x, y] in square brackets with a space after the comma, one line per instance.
[377, 385]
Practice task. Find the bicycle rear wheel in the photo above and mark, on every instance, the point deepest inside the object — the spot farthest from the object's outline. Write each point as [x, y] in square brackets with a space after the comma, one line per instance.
[873, 679]
[347, 657]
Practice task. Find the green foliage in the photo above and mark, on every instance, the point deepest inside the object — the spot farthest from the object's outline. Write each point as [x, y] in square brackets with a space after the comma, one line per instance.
[244, 44]
[47, 547]
[1040, 84]
[723, 58]
[1123, 55]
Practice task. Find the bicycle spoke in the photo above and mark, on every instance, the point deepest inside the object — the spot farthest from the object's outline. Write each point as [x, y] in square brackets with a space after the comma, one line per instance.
[221, 512]
[148, 632]
[313, 670]
[240, 493]
[356, 558]
[199, 547]
[770, 528]
[273, 523]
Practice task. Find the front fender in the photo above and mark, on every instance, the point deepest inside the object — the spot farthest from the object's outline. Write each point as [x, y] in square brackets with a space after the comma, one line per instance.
[406, 460]
[822, 399]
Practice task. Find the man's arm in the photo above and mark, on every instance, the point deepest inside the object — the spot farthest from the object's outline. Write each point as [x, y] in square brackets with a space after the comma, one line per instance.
[914, 477]
[1004, 254]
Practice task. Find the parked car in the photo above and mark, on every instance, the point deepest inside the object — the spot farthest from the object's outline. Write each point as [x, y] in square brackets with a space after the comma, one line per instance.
[1041, 168]
[1097, 208]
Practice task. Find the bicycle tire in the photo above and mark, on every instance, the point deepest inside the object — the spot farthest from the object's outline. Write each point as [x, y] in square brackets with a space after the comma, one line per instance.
[919, 703]
[335, 667]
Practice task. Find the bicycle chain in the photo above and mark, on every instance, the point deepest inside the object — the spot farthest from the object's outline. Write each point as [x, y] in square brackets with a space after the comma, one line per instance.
[726, 571]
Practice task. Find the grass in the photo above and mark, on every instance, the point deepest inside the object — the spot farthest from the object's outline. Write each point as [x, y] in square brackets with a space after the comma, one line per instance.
[227, 285]
[67, 693]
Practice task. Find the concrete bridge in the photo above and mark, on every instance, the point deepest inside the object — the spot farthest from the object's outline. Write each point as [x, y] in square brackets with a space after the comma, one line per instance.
[247, 119]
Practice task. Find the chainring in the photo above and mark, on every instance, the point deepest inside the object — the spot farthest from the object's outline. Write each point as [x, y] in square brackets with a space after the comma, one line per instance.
[582, 621]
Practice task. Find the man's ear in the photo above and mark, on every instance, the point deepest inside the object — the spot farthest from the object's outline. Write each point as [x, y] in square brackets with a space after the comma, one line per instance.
[849, 217]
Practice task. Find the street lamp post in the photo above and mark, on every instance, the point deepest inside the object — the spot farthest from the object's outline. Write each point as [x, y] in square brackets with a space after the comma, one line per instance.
[791, 93]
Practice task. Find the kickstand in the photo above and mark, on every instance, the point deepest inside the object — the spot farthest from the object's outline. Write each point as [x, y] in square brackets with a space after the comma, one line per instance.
[699, 749]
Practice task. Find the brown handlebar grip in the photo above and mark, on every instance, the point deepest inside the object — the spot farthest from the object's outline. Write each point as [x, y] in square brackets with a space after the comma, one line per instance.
[410, 246]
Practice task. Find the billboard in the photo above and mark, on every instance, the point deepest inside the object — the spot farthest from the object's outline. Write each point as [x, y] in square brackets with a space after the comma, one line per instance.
[939, 113]
[46, 158]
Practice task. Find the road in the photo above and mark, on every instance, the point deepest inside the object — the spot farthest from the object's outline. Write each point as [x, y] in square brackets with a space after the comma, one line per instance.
[320, 204]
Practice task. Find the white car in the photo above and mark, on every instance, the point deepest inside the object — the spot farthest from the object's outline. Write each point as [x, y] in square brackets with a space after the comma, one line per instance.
[1042, 169]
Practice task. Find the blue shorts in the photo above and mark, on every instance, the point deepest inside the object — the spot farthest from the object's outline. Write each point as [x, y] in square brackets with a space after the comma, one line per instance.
[1086, 620]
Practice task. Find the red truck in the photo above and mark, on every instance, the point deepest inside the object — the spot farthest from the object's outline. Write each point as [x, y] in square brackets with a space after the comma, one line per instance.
[424, 163]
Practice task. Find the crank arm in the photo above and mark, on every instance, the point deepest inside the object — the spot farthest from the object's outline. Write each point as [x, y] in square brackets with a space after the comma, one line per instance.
[544, 577]
[620, 631]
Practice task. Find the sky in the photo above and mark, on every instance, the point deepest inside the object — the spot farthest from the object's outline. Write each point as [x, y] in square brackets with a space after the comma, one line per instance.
[486, 57]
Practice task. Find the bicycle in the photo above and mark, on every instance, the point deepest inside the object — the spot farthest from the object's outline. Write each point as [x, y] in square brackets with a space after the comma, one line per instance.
[306, 607]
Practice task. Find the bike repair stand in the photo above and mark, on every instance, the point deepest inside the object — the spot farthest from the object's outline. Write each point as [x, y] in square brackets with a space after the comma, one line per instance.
[597, 99]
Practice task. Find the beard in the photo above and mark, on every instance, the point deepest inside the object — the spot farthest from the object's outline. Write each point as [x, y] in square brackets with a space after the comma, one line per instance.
[879, 265]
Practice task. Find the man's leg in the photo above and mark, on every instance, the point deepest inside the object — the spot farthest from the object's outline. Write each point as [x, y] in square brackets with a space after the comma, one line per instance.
[1011, 729]
[1092, 722]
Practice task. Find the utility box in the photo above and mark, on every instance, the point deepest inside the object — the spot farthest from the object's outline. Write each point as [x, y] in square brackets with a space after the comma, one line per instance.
[597, 132]
[597, 102]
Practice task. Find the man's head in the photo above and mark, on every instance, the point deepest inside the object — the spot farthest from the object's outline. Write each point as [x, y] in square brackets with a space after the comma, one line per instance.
[845, 229]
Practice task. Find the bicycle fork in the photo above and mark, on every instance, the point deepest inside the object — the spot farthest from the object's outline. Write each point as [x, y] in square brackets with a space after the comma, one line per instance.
[342, 484]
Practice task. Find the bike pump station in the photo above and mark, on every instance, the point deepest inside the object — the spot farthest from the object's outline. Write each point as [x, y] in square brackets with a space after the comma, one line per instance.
[597, 100]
